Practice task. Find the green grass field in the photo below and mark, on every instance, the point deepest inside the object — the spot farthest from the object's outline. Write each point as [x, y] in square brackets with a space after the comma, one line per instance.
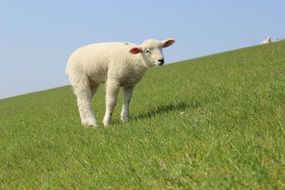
[216, 122]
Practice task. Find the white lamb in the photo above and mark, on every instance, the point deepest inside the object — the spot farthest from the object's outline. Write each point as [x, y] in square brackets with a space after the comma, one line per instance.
[267, 40]
[116, 64]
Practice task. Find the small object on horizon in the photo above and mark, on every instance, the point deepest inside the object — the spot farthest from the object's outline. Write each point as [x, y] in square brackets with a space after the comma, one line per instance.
[267, 40]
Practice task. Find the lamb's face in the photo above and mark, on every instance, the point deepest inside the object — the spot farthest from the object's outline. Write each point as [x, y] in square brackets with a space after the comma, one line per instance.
[151, 51]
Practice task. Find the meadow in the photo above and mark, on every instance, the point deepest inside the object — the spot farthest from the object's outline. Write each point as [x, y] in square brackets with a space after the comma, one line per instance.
[215, 122]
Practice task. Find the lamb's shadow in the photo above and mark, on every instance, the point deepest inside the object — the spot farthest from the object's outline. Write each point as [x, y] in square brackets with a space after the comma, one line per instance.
[180, 106]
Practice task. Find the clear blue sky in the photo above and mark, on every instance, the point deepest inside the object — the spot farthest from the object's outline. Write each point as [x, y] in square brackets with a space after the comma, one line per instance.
[36, 37]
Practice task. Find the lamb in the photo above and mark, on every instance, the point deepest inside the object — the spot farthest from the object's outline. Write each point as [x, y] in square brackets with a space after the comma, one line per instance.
[267, 40]
[118, 65]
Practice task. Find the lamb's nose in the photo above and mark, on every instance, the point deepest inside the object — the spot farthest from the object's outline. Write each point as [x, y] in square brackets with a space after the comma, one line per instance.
[161, 61]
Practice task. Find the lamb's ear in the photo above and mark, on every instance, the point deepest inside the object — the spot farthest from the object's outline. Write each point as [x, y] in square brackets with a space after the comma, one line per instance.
[167, 42]
[135, 50]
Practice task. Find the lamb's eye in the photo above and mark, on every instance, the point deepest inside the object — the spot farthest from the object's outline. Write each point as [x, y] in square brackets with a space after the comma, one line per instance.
[147, 51]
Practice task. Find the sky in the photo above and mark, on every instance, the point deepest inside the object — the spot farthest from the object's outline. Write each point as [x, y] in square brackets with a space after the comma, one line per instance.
[36, 37]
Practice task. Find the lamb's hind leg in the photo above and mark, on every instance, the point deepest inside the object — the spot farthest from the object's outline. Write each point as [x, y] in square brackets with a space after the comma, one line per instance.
[112, 89]
[84, 92]
[127, 93]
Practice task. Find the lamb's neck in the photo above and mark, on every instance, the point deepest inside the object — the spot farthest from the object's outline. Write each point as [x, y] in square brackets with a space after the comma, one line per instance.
[140, 66]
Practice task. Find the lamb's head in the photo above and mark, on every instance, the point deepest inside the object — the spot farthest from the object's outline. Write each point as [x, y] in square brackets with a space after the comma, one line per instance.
[151, 51]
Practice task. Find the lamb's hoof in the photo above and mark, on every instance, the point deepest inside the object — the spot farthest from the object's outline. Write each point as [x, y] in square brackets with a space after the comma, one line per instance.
[124, 119]
[106, 125]
[93, 126]
[90, 125]
[107, 122]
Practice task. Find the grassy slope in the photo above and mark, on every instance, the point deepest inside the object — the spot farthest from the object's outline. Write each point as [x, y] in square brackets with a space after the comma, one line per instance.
[215, 122]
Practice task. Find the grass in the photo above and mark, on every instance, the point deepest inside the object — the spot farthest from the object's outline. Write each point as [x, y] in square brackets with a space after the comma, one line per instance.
[217, 122]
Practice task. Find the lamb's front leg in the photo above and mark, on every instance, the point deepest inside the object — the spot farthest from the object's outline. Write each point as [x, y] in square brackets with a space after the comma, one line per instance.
[112, 89]
[127, 93]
